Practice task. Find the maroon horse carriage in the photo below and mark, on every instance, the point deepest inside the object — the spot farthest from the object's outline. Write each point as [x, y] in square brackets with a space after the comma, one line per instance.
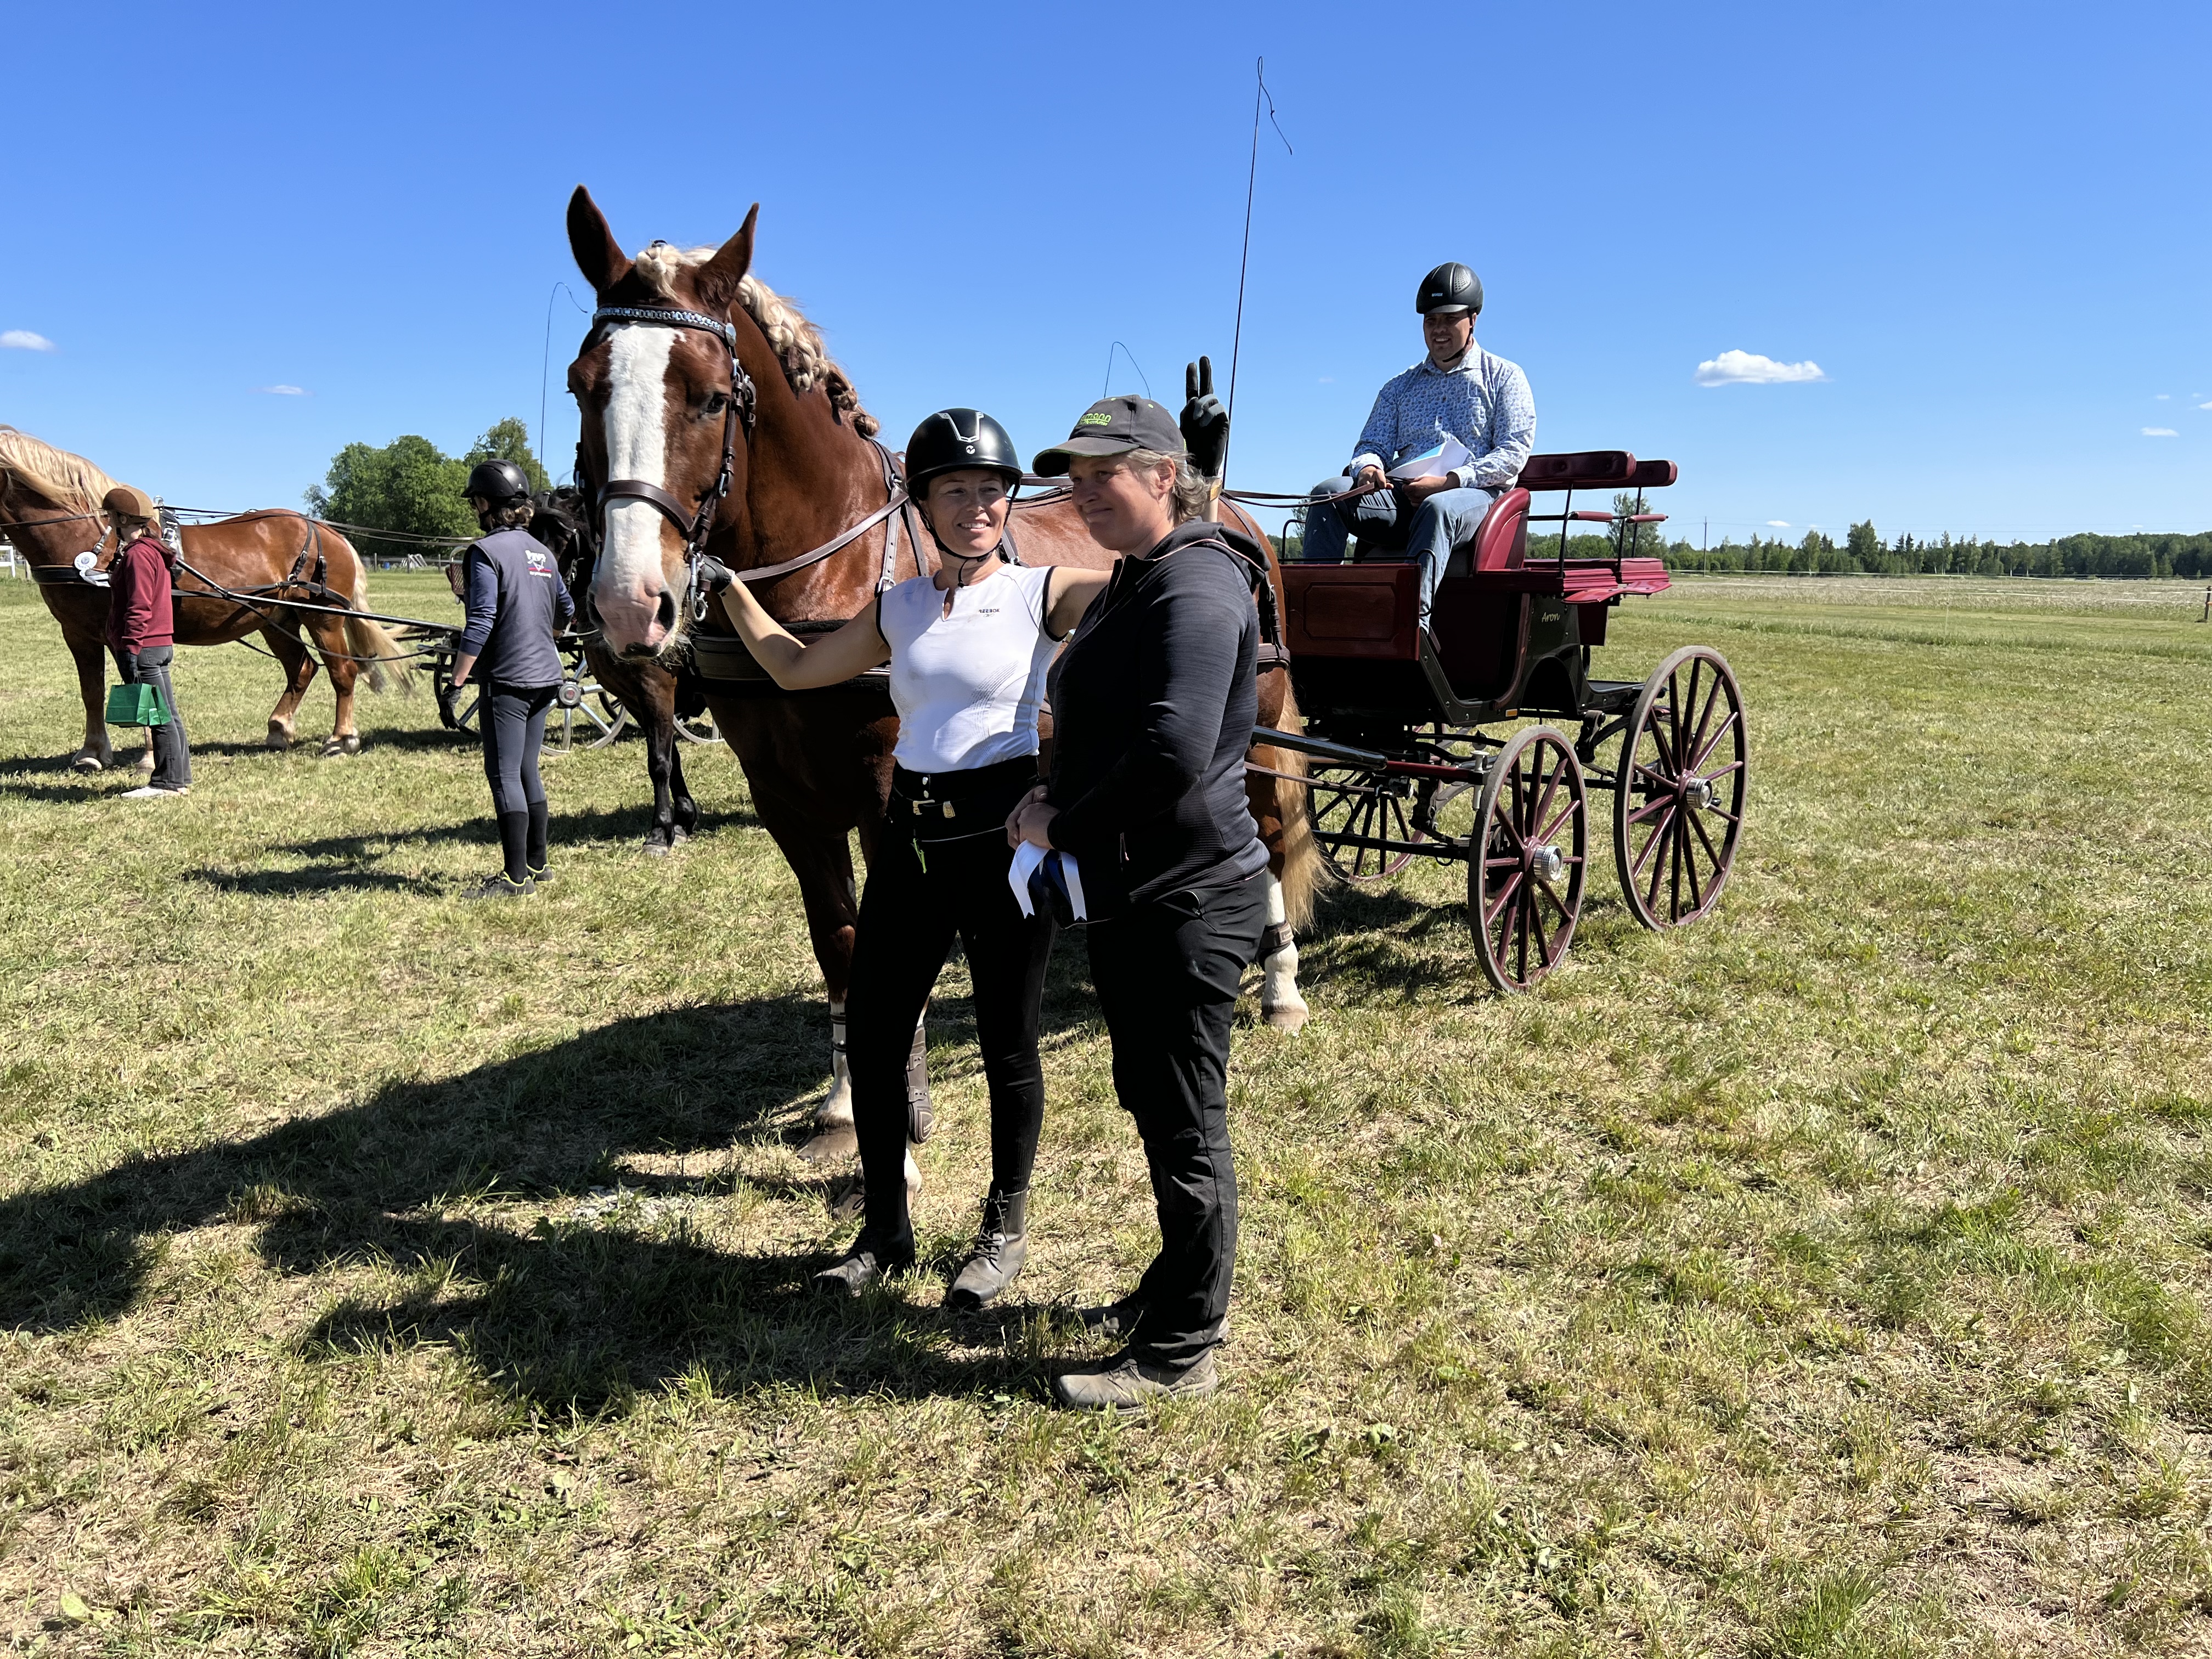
[1395, 710]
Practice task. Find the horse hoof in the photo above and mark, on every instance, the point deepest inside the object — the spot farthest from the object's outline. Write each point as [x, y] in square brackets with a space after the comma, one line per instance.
[350, 743]
[1284, 1016]
[655, 849]
[831, 1146]
[332, 748]
[88, 764]
[278, 738]
[145, 762]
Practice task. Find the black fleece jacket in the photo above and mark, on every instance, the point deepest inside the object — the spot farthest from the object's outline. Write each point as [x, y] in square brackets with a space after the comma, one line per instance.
[1153, 703]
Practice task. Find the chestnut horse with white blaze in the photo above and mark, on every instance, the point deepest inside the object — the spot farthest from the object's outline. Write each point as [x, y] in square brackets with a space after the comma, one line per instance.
[50, 510]
[713, 420]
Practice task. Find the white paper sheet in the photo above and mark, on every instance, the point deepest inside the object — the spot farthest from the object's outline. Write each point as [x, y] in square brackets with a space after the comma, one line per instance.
[1436, 463]
[1027, 857]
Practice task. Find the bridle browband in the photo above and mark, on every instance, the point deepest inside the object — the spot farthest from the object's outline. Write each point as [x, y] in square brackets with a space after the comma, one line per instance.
[698, 524]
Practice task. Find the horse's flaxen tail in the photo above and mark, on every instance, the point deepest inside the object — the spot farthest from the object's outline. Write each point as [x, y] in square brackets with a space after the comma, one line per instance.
[1303, 869]
[367, 641]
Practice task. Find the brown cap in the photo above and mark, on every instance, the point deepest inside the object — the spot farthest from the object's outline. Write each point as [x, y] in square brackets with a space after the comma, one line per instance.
[130, 501]
[1113, 426]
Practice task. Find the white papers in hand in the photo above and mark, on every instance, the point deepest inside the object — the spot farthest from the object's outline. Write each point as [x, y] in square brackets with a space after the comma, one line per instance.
[1434, 463]
[1027, 857]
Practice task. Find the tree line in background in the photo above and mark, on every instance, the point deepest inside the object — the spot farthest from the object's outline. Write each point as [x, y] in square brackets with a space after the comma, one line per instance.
[412, 487]
[1863, 553]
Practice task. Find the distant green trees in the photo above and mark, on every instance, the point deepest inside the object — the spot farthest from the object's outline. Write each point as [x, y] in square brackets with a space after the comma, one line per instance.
[1864, 553]
[412, 487]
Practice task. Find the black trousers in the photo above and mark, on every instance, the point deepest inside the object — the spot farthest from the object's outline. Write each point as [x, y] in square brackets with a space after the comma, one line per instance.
[1167, 972]
[918, 896]
[513, 717]
[172, 754]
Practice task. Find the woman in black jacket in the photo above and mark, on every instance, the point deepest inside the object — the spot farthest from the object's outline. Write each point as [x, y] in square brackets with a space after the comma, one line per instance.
[1153, 704]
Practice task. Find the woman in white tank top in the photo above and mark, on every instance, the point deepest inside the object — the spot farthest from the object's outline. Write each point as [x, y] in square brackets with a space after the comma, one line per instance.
[967, 648]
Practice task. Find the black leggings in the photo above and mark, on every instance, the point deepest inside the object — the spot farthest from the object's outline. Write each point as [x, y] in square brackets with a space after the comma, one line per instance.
[915, 902]
[513, 722]
[172, 754]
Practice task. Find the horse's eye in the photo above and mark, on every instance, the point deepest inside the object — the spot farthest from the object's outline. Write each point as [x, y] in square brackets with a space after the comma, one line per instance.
[717, 401]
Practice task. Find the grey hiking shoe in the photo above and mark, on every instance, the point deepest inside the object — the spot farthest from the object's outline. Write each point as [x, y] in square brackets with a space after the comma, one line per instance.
[499, 887]
[1115, 1321]
[1001, 1245]
[871, 1259]
[1126, 1383]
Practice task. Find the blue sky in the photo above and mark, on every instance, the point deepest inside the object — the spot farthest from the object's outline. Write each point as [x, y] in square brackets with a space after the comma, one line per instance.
[1990, 226]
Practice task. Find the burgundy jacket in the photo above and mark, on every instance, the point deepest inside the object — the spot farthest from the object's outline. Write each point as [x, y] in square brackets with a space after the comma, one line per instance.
[140, 615]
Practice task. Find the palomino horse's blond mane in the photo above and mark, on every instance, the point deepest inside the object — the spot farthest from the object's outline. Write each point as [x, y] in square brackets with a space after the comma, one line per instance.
[60, 476]
[798, 343]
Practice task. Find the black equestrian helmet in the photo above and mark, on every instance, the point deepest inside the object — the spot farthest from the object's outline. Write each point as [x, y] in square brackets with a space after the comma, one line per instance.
[497, 481]
[954, 440]
[1451, 287]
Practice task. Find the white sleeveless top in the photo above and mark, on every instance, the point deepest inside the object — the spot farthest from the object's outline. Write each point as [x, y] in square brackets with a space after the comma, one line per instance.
[967, 686]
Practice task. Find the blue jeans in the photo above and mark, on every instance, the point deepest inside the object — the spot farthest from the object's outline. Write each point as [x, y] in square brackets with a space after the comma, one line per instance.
[1446, 519]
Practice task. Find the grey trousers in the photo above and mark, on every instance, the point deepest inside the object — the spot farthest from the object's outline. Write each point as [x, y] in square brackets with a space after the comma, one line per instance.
[172, 754]
[1427, 535]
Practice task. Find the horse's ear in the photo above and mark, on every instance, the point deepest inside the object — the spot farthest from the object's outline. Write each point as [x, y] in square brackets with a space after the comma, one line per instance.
[599, 256]
[716, 282]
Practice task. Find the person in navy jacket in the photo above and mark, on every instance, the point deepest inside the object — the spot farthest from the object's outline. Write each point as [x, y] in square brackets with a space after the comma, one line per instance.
[517, 603]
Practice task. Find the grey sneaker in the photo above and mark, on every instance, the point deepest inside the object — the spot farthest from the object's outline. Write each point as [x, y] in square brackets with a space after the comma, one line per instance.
[1115, 1321]
[871, 1259]
[1126, 1383]
[499, 887]
[152, 792]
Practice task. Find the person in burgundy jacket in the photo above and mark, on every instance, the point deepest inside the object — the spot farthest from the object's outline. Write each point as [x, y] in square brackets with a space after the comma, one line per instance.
[141, 631]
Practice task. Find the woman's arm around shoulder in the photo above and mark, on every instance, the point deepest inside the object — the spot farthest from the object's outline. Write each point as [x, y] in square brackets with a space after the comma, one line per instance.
[792, 663]
[1068, 594]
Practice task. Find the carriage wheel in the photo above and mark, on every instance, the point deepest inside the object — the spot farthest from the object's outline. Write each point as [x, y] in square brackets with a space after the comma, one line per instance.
[1679, 807]
[1524, 879]
[1346, 801]
[582, 715]
[700, 728]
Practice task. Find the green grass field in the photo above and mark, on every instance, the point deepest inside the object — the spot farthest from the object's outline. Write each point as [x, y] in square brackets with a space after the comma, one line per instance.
[381, 1273]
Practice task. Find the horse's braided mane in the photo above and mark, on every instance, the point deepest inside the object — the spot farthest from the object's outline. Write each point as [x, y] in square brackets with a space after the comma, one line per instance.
[60, 476]
[796, 341]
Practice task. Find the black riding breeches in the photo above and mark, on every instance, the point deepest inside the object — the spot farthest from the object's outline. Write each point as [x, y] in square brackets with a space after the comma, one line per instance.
[172, 754]
[1167, 973]
[513, 718]
[918, 896]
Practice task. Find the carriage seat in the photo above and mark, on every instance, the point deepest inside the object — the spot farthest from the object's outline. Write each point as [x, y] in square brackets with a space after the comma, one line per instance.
[1501, 540]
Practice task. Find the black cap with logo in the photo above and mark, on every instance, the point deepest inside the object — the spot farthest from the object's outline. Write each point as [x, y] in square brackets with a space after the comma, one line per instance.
[1113, 426]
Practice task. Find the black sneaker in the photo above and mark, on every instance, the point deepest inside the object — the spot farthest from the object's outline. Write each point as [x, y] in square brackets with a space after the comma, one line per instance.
[869, 1261]
[500, 887]
[540, 873]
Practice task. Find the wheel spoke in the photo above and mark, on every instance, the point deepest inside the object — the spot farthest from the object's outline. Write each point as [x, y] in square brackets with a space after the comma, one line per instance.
[1698, 759]
[1535, 926]
[1658, 835]
[1504, 892]
[1697, 825]
[1657, 804]
[1544, 803]
[1704, 715]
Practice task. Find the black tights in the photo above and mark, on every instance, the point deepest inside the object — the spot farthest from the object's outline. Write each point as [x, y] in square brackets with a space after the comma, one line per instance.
[513, 722]
[916, 901]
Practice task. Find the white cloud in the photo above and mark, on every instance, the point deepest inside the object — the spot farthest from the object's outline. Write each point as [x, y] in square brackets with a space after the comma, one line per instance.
[2204, 405]
[21, 339]
[1749, 368]
[2160, 397]
[1778, 524]
[283, 391]
[1330, 379]
[2159, 432]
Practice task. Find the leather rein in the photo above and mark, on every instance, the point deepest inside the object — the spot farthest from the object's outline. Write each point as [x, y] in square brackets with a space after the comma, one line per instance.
[698, 523]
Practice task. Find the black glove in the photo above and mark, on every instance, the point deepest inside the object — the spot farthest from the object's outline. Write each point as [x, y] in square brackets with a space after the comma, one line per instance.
[1205, 423]
[714, 576]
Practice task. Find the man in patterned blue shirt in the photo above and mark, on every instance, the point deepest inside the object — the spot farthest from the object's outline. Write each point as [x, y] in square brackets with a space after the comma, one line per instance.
[1459, 392]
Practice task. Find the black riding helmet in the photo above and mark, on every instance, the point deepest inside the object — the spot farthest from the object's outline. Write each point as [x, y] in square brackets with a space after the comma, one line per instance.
[497, 481]
[955, 440]
[1451, 287]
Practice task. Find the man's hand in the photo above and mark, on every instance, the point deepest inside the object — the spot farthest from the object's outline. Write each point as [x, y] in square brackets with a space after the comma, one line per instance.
[1205, 423]
[1417, 490]
[1031, 820]
[1371, 477]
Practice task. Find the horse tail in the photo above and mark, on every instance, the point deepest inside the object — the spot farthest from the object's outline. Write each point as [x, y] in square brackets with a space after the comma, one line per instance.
[1303, 872]
[370, 645]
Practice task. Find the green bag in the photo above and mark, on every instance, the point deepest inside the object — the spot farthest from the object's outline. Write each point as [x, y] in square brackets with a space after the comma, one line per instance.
[136, 705]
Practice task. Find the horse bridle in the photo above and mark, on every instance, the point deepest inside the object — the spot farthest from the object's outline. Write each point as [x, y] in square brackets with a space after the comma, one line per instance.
[744, 399]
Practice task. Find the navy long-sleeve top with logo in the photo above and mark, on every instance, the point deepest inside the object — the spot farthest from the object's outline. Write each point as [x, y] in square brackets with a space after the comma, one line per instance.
[517, 603]
[1153, 703]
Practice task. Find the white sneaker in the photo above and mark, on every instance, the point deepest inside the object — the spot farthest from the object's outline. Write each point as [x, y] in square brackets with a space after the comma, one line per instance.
[151, 792]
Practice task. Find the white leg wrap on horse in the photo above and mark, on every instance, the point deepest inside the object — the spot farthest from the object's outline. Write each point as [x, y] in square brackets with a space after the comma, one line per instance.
[835, 1111]
[1280, 1004]
[913, 1177]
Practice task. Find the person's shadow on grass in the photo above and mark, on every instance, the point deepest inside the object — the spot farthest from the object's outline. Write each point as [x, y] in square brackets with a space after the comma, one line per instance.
[565, 1313]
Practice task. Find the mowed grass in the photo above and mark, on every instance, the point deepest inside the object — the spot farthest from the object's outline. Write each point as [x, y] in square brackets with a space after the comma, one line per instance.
[382, 1274]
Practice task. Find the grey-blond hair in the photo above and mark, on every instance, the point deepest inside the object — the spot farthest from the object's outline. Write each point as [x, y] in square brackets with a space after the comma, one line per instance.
[1192, 493]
